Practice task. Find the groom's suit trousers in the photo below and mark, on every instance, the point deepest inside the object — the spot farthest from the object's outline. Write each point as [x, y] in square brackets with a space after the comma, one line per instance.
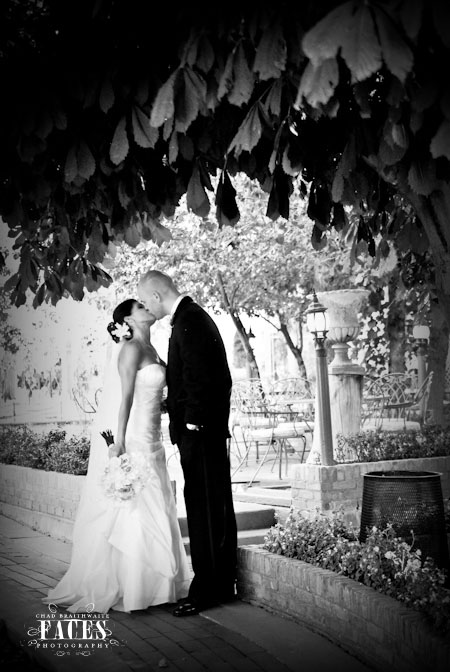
[210, 515]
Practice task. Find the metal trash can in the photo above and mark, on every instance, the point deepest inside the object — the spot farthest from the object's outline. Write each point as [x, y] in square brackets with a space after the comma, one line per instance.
[409, 500]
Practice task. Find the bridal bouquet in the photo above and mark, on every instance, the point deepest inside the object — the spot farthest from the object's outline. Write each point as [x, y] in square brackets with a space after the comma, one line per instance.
[126, 475]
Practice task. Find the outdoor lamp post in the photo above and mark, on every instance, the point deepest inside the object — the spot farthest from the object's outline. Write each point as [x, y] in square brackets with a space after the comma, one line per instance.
[317, 326]
[421, 335]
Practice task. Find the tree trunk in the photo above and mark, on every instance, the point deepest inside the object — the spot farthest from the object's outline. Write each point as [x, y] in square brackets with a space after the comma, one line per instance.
[434, 214]
[296, 351]
[252, 366]
[437, 357]
[395, 328]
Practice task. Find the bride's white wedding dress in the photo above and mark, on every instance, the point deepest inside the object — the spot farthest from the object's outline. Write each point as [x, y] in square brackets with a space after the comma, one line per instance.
[129, 556]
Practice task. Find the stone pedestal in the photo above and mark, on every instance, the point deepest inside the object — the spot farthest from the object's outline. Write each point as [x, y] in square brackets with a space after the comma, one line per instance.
[345, 376]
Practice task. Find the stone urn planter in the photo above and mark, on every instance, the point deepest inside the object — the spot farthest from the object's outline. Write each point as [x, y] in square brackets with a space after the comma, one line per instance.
[342, 307]
[375, 628]
[345, 376]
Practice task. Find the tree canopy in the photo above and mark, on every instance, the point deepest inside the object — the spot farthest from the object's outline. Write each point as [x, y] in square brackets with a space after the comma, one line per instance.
[113, 113]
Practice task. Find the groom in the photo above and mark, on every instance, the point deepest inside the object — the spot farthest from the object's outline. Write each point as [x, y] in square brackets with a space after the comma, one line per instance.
[198, 401]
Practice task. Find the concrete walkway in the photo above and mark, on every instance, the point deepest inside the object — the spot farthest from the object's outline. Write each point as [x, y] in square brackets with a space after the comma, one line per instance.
[234, 637]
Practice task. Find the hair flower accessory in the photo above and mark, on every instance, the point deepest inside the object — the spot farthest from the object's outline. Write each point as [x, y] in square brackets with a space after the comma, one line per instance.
[121, 330]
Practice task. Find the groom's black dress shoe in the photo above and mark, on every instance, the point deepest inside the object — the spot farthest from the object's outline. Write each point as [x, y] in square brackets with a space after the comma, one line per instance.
[186, 609]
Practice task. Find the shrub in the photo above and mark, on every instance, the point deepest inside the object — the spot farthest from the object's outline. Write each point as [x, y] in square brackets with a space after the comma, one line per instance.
[50, 452]
[384, 561]
[374, 446]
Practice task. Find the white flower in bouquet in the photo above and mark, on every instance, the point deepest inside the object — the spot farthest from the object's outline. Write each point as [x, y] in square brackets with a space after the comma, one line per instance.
[125, 476]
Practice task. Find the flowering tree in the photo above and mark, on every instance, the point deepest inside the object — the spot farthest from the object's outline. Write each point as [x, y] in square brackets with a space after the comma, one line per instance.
[257, 268]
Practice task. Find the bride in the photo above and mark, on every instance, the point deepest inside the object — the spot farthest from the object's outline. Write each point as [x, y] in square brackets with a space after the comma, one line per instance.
[127, 554]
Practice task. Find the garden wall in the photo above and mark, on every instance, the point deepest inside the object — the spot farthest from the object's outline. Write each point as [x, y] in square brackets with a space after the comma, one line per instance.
[340, 486]
[375, 628]
[44, 500]
[47, 501]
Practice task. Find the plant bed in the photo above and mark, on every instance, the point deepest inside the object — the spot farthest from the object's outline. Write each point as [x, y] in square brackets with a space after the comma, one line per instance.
[378, 445]
[375, 628]
[50, 451]
[313, 571]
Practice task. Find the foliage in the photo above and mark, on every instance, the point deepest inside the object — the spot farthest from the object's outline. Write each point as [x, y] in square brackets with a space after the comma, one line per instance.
[375, 446]
[383, 562]
[346, 99]
[50, 452]
[257, 268]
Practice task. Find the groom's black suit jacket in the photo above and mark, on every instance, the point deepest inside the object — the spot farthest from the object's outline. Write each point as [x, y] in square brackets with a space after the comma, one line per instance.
[198, 377]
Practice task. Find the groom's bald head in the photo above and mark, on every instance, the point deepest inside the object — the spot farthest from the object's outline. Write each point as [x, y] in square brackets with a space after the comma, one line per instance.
[158, 292]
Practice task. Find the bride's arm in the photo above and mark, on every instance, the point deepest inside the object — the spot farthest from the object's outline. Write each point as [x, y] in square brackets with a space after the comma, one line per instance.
[129, 360]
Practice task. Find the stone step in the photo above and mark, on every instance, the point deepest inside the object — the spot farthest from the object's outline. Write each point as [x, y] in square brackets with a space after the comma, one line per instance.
[270, 496]
[249, 516]
[245, 538]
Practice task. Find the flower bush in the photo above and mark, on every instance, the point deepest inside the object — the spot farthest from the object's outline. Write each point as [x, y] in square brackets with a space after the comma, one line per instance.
[384, 562]
[52, 451]
[374, 446]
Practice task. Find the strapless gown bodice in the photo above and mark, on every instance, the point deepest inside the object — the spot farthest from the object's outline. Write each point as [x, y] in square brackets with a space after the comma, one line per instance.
[144, 424]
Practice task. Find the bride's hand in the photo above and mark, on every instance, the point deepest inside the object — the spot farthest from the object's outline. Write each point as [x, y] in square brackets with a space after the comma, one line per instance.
[116, 449]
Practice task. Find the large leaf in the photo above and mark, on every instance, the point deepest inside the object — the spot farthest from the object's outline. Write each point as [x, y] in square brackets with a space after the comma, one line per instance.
[243, 79]
[188, 99]
[159, 234]
[440, 144]
[390, 154]
[424, 95]
[227, 212]
[445, 105]
[344, 168]
[360, 47]
[86, 161]
[144, 135]
[271, 53]
[196, 198]
[278, 204]
[441, 16]
[106, 98]
[71, 166]
[249, 132]
[132, 236]
[226, 78]
[163, 106]
[396, 53]
[318, 83]
[173, 147]
[205, 54]
[327, 36]
[119, 145]
[422, 177]
[410, 14]
[273, 101]
[123, 195]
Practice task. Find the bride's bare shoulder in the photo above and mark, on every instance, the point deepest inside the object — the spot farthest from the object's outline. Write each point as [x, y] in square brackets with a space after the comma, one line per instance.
[130, 354]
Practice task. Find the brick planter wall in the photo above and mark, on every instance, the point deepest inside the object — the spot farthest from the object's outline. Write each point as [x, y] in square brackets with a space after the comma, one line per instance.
[340, 486]
[45, 500]
[375, 628]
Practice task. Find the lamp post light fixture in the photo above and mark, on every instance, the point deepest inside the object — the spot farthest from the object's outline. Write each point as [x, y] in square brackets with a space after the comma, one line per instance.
[421, 335]
[317, 325]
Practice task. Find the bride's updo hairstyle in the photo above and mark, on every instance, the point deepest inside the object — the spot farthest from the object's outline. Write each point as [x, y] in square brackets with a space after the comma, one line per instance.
[118, 327]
